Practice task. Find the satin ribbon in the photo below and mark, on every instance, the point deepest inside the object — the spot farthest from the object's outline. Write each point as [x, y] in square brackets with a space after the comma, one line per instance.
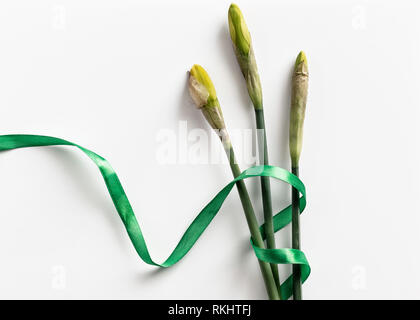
[200, 223]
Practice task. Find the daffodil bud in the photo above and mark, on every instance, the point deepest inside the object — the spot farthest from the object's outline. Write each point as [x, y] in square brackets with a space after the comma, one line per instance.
[201, 87]
[244, 52]
[239, 31]
[203, 94]
[298, 107]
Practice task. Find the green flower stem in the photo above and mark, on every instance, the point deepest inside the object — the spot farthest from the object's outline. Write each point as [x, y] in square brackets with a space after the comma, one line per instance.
[270, 284]
[266, 196]
[297, 117]
[242, 44]
[297, 284]
[203, 93]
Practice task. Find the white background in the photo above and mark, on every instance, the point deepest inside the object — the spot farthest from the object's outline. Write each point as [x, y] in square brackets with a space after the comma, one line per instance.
[111, 75]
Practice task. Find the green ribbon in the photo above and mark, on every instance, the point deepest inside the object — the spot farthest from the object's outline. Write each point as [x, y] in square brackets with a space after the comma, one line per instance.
[200, 223]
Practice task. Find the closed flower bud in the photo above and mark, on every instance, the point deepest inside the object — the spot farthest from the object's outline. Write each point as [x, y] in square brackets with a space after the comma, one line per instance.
[203, 93]
[201, 87]
[241, 40]
[298, 107]
[239, 31]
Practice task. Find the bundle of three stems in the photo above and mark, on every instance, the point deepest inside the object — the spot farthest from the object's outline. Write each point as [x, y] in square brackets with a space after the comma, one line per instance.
[204, 95]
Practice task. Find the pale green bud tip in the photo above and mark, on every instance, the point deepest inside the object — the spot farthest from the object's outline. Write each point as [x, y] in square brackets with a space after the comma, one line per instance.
[201, 87]
[238, 30]
[301, 62]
